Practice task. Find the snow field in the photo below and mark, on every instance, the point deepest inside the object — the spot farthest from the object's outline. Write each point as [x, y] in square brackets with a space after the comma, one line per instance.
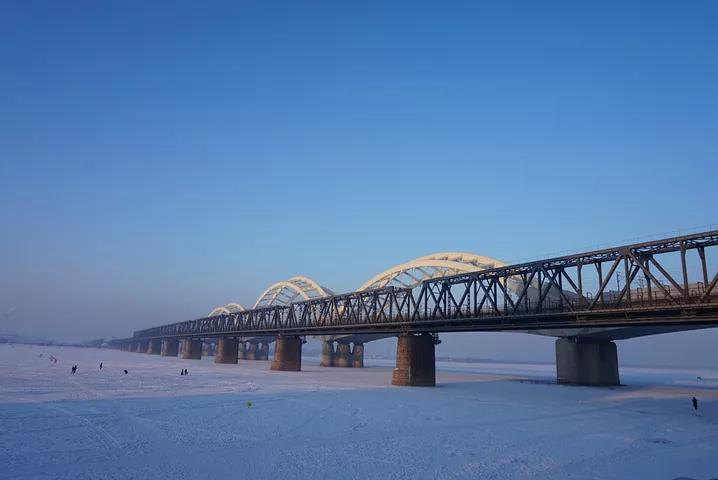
[481, 422]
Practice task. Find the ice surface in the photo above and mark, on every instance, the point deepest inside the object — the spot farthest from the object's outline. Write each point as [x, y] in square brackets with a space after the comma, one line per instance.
[482, 421]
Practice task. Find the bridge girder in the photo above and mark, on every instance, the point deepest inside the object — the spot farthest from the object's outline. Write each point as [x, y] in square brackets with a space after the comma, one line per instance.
[483, 300]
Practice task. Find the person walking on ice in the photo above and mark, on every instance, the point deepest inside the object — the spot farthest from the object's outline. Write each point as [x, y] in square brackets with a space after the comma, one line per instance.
[695, 403]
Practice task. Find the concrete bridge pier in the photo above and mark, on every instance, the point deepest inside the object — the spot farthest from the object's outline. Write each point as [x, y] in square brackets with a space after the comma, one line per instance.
[358, 355]
[264, 352]
[287, 354]
[170, 348]
[327, 354]
[253, 352]
[586, 362]
[242, 351]
[343, 356]
[142, 346]
[415, 361]
[227, 350]
[192, 349]
[154, 347]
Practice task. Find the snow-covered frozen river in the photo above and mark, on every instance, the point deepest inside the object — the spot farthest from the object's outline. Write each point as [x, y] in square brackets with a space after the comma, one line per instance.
[482, 421]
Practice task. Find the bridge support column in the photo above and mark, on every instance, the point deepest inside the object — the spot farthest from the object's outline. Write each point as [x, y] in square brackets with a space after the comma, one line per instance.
[170, 348]
[154, 347]
[586, 362]
[343, 355]
[192, 349]
[242, 351]
[327, 354]
[142, 346]
[253, 352]
[264, 352]
[227, 350]
[358, 355]
[287, 354]
[415, 361]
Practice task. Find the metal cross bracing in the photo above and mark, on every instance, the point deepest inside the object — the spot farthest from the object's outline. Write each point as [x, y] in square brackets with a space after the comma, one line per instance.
[655, 285]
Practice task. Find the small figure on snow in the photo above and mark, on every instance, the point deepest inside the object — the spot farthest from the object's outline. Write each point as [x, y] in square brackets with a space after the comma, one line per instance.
[125, 372]
[100, 365]
[185, 372]
[181, 373]
[695, 404]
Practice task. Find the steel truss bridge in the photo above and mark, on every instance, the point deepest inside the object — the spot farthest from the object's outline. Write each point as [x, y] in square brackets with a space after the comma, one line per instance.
[551, 294]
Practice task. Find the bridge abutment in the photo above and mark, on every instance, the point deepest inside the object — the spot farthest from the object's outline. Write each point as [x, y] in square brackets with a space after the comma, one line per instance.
[585, 362]
[327, 354]
[227, 350]
[142, 346]
[358, 355]
[253, 352]
[192, 349]
[154, 347]
[170, 348]
[415, 361]
[242, 351]
[342, 358]
[287, 354]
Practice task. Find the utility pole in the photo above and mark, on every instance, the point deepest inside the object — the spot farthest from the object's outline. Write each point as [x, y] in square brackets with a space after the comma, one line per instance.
[7, 317]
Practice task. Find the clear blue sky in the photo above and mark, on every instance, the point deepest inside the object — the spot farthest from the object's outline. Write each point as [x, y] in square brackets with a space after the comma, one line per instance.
[161, 158]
